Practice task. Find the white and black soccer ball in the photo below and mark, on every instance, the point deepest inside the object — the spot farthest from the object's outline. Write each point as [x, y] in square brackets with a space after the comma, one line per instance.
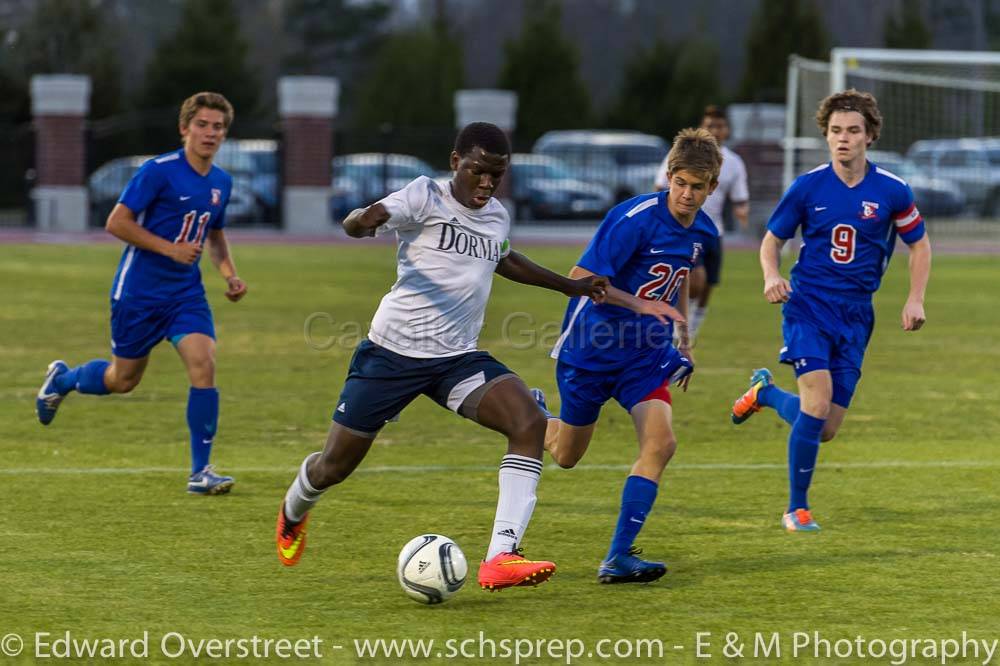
[431, 568]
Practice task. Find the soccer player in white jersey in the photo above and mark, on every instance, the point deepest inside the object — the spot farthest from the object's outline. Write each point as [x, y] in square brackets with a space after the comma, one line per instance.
[732, 189]
[452, 236]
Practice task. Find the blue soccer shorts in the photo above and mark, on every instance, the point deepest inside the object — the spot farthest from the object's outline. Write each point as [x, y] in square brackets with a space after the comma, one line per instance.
[583, 392]
[823, 332]
[381, 383]
[136, 329]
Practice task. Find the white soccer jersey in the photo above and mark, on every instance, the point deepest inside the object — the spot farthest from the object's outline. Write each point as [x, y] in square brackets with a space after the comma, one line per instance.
[447, 254]
[732, 186]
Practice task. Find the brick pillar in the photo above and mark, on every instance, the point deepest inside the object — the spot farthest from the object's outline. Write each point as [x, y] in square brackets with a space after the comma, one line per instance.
[59, 105]
[490, 106]
[308, 105]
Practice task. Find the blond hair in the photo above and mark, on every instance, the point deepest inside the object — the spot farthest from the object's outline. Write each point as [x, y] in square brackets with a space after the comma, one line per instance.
[695, 149]
[205, 100]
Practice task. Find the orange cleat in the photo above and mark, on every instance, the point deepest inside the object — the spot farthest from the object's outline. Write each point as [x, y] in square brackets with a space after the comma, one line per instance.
[746, 405]
[291, 538]
[511, 569]
[800, 520]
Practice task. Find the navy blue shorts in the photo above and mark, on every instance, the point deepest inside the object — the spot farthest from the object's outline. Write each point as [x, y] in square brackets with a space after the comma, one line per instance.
[583, 392]
[136, 329]
[380, 383]
[823, 332]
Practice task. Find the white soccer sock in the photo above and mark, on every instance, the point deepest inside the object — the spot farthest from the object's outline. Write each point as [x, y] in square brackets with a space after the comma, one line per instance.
[697, 317]
[301, 496]
[518, 480]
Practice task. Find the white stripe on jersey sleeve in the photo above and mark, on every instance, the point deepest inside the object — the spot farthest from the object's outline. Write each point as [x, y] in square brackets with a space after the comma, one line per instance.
[638, 208]
[890, 174]
[569, 327]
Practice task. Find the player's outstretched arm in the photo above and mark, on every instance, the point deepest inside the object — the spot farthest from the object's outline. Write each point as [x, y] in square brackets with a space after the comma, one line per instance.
[920, 273]
[122, 225]
[776, 288]
[615, 296]
[222, 259]
[518, 268]
[362, 222]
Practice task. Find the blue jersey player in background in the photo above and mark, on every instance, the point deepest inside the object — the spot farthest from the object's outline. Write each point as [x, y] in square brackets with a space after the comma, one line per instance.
[173, 204]
[850, 212]
[622, 349]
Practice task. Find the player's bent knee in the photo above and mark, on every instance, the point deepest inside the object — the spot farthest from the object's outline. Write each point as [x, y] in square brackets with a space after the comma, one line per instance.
[567, 459]
[122, 384]
[827, 435]
[661, 450]
[325, 473]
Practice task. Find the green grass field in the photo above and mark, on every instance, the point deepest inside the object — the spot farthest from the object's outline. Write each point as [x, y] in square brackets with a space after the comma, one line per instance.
[103, 542]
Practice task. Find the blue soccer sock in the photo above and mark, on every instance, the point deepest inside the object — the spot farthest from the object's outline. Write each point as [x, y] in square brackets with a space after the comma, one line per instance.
[803, 449]
[87, 378]
[781, 401]
[203, 419]
[638, 496]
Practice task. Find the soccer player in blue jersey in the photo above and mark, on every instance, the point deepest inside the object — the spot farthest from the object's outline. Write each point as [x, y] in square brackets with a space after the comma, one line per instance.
[622, 349]
[172, 205]
[850, 212]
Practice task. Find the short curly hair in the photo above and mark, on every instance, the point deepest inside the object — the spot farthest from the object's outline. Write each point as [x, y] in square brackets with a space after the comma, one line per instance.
[695, 149]
[851, 100]
[487, 136]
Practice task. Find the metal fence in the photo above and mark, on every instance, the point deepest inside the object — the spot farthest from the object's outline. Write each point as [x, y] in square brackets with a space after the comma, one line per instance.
[17, 173]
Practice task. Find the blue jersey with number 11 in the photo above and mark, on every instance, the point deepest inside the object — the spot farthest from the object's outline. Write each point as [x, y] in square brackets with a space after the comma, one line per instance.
[848, 233]
[173, 201]
[646, 252]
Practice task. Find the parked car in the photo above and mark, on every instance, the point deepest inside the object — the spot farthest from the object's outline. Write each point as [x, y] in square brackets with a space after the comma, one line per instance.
[937, 197]
[360, 179]
[972, 163]
[108, 181]
[625, 162]
[543, 188]
[255, 160]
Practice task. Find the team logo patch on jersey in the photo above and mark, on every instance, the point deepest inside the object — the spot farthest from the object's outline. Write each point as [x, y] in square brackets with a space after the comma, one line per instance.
[869, 210]
[696, 252]
[216, 197]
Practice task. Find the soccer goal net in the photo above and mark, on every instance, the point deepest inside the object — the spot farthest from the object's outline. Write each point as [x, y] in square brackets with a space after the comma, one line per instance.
[941, 125]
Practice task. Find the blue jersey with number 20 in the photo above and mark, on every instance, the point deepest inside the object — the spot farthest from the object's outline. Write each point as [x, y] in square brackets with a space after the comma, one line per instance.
[172, 200]
[643, 251]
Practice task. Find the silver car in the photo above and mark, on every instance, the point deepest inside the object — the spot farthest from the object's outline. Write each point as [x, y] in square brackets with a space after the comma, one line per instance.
[625, 162]
[544, 188]
[972, 163]
[106, 184]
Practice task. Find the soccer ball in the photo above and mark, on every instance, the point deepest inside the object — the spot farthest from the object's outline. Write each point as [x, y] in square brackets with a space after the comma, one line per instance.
[431, 568]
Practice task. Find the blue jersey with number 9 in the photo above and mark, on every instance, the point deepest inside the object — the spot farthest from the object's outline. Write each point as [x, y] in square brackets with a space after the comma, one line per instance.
[173, 201]
[848, 233]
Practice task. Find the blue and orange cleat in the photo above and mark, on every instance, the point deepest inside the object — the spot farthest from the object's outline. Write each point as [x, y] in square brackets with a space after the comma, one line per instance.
[207, 482]
[49, 398]
[628, 568]
[746, 405]
[800, 520]
[539, 396]
[512, 570]
[290, 537]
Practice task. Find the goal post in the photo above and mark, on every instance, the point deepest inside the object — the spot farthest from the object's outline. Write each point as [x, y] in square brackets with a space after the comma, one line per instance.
[942, 121]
